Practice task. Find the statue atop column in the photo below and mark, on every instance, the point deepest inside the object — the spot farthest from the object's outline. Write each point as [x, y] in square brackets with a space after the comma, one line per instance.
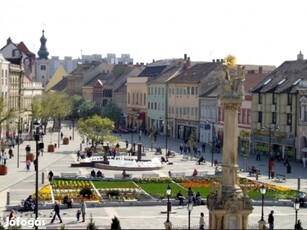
[231, 81]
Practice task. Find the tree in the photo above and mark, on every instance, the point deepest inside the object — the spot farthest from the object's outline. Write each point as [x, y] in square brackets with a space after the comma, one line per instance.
[5, 112]
[115, 223]
[97, 129]
[192, 141]
[112, 111]
[88, 109]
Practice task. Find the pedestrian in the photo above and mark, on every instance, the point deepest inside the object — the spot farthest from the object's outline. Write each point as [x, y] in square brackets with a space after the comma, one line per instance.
[28, 149]
[5, 157]
[28, 165]
[83, 210]
[203, 147]
[11, 153]
[78, 155]
[201, 221]
[271, 220]
[61, 135]
[181, 148]
[12, 215]
[50, 176]
[35, 164]
[127, 144]
[258, 156]
[78, 214]
[190, 194]
[56, 213]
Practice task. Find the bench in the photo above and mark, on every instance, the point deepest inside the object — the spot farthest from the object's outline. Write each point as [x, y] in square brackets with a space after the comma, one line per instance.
[202, 173]
[280, 177]
[120, 176]
[178, 174]
[150, 175]
[69, 175]
[253, 173]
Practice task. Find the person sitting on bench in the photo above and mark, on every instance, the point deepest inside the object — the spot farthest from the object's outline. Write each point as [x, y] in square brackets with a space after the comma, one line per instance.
[163, 160]
[125, 174]
[201, 160]
[68, 201]
[253, 170]
[99, 174]
[180, 197]
[93, 173]
[195, 172]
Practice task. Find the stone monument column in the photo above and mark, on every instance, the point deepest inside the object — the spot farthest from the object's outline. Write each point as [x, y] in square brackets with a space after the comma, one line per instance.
[229, 207]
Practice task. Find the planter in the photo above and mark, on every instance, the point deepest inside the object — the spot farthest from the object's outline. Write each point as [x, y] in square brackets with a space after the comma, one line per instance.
[65, 141]
[3, 170]
[30, 156]
[50, 148]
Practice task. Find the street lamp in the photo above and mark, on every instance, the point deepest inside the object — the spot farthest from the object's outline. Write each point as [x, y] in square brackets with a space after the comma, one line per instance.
[36, 125]
[262, 191]
[270, 128]
[296, 206]
[190, 208]
[168, 224]
[213, 139]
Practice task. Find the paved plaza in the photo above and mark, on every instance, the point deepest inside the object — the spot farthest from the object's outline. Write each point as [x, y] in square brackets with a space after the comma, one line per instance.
[20, 183]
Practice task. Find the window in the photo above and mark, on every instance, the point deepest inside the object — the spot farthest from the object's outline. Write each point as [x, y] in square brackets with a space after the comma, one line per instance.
[192, 90]
[188, 90]
[43, 67]
[274, 98]
[260, 116]
[289, 119]
[289, 99]
[274, 118]
[259, 98]
[128, 98]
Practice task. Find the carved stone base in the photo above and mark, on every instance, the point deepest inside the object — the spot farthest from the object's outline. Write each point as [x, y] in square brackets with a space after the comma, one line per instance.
[229, 209]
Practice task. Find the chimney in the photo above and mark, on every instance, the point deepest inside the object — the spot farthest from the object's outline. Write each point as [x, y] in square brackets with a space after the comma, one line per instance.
[260, 69]
[9, 40]
[300, 56]
[153, 60]
[185, 57]
[213, 60]
[217, 60]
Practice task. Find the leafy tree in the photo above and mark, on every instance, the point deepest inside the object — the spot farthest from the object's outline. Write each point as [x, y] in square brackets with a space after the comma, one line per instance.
[97, 129]
[115, 223]
[112, 111]
[192, 140]
[5, 112]
[88, 109]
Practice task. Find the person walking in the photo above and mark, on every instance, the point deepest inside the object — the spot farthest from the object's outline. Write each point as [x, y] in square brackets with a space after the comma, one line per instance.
[11, 153]
[56, 213]
[83, 210]
[202, 221]
[28, 165]
[271, 220]
[50, 176]
[5, 157]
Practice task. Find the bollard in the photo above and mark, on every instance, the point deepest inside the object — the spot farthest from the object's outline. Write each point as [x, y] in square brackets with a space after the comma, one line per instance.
[43, 177]
[257, 175]
[8, 198]
[299, 183]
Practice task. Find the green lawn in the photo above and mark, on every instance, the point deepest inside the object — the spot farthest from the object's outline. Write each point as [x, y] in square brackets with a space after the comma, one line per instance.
[272, 195]
[114, 184]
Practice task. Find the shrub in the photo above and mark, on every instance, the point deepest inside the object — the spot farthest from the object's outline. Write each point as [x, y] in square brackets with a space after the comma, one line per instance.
[113, 193]
[86, 192]
[115, 223]
[91, 224]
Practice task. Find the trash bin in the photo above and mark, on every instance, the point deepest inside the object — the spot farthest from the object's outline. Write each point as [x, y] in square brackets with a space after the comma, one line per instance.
[288, 168]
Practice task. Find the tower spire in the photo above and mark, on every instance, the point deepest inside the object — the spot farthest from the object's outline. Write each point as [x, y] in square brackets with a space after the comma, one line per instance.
[43, 52]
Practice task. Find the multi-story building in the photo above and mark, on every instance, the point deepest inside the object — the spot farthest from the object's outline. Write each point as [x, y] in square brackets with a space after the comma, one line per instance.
[277, 111]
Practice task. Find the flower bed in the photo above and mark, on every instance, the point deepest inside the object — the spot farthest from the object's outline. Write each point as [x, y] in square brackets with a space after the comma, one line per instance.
[44, 194]
[72, 189]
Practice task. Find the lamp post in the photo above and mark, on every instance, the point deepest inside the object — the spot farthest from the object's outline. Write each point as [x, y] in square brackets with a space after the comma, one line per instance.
[36, 125]
[296, 206]
[212, 139]
[262, 191]
[166, 135]
[270, 128]
[132, 128]
[189, 208]
[168, 224]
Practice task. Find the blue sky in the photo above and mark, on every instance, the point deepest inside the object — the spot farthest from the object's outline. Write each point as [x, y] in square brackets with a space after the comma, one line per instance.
[255, 31]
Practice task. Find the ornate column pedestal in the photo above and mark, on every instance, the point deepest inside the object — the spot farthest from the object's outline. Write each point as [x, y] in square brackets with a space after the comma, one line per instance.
[229, 207]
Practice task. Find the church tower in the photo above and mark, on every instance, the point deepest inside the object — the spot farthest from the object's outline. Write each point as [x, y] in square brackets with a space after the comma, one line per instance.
[42, 67]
